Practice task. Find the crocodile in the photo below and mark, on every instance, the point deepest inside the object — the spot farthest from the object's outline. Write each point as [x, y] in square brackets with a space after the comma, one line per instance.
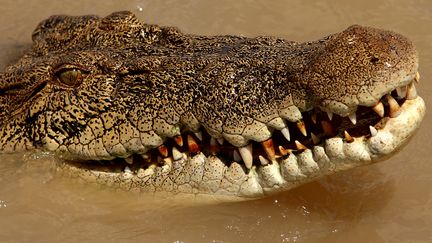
[147, 108]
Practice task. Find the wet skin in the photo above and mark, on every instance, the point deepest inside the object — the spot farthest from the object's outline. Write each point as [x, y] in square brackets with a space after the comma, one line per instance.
[149, 108]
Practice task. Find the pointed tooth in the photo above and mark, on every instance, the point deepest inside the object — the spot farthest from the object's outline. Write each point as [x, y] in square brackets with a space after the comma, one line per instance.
[220, 141]
[152, 166]
[401, 92]
[315, 139]
[286, 133]
[269, 148]
[263, 160]
[314, 118]
[283, 151]
[246, 154]
[168, 161]
[127, 170]
[192, 144]
[214, 147]
[394, 107]
[299, 145]
[198, 135]
[417, 77]
[302, 127]
[373, 131]
[176, 154]
[146, 156]
[213, 141]
[236, 156]
[411, 92]
[348, 137]
[379, 109]
[179, 140]
[353, 118]
[328, 128]
[330, 115]
[163, 150]
[129, 160]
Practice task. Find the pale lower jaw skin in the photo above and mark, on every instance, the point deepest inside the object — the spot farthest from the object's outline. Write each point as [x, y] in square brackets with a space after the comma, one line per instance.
[209, 176]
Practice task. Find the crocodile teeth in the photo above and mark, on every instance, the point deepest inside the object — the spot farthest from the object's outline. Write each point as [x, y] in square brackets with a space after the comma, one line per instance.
[179, 140]
[192, 144]
[417, 77]
[220, 141]
[145, 156]
[348, 137]
[394, 107]
[214, 147]
[246, 154]
[286, 133]
[379, 109]
[176, 154]
[268, 148]
[373, 131]
[330, 115]
[163, 150]
[411, 92]
[127, 170]
[401, 92]
[327, 128]
[198, 135]
[283, 151]
[315, 139]
[353, 118]
[129, 160]
[263, 160]
[236, 156]
[299, 145]
[314, 118]
[167, 161]
[301, 126]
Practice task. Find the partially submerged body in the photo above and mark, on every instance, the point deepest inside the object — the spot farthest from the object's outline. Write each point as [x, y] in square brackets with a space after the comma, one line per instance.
[148, 108]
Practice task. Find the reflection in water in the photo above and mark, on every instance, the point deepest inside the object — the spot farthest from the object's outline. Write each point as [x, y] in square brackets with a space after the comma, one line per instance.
[387, 202]
[332, 206]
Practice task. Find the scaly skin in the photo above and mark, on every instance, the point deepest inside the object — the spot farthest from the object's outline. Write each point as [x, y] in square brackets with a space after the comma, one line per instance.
[96, 89]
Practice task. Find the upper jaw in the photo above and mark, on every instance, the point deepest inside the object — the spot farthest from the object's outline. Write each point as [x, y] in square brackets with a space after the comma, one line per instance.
[401, 101]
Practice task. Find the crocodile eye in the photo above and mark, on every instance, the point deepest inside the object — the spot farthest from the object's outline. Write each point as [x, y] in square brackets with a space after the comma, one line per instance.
[70, 77]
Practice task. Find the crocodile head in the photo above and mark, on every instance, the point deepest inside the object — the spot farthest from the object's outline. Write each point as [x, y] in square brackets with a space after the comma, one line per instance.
[148, 108]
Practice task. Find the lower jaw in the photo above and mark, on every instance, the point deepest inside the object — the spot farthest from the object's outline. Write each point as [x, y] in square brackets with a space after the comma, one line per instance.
[209, 175]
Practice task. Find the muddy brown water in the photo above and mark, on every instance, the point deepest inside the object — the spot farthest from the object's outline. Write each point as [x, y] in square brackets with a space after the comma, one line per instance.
[386, 202]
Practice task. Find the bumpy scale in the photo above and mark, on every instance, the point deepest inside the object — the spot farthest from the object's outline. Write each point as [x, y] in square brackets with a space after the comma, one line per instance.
[148, 108]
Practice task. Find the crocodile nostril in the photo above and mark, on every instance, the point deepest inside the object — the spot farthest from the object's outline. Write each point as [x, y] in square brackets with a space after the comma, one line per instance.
[374, 60]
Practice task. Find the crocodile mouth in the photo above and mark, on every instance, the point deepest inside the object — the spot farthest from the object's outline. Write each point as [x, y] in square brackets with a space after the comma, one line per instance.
[314, 129]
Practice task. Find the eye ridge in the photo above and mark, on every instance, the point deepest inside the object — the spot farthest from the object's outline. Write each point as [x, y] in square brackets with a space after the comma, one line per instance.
[70, 76]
